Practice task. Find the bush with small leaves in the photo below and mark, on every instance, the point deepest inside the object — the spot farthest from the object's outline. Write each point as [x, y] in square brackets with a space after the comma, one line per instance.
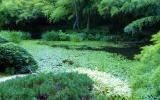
[55, 36]
[62, 86]
[15, 36]
[50, 36]
[75, 37]
[63, 36]
[13, 57]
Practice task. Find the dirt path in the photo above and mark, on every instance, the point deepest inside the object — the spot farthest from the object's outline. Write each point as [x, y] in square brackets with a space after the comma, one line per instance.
[3, 79]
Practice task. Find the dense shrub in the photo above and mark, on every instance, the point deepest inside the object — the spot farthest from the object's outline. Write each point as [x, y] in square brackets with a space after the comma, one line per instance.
[15, 36]
[156, 38]
[63, 36]
[75, 37]
[83, 35]
[13, 57]
[150, 55]
[64, 86]
[147, 79]
[55, 36]
[25, 35]
[50, 36]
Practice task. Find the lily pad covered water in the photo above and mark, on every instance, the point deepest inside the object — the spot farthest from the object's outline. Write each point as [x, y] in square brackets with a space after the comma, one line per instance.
[56, 58]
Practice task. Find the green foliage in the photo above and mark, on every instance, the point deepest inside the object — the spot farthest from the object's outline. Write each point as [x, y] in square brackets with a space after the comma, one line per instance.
[147, 75]
[75, 37]
[150, 54]
[82, 12]
[55, 36]
[140, 24]
[156, 38]
[64, 86]
[109, 7]
[145, 15]
[59, 13]
[16, 58]
[63, 36]
[50, 36]
[140, 8]
[20, 11]
[14, 36]
[136, 13]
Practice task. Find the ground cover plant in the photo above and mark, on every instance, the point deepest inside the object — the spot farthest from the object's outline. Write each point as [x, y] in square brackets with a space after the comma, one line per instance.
[59, 56]
[60, 86]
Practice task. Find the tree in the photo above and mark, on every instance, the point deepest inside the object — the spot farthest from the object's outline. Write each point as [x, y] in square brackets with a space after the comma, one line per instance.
[20, 11]
[89, 8]
[136, 15]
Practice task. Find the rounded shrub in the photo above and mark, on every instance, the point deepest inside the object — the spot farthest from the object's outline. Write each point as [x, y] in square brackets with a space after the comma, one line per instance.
[62, 86]
[55, 36]
[75, 37]
[50, 36]
[63, 36]
[16, 59]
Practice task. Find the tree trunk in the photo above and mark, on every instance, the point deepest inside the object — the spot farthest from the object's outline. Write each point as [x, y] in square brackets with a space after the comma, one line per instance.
[88, 22]
[76, 23]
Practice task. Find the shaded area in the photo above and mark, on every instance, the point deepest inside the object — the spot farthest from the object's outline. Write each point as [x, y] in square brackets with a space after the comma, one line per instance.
[129, 51]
